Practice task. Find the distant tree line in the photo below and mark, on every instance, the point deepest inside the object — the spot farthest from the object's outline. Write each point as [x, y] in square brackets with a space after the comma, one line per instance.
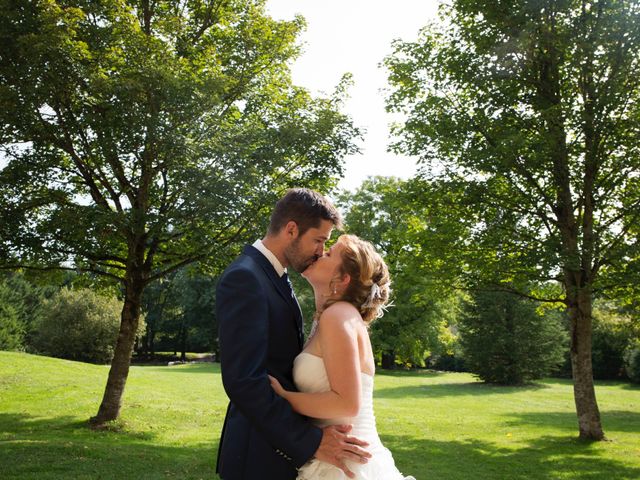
[498, 336]
[78, 320]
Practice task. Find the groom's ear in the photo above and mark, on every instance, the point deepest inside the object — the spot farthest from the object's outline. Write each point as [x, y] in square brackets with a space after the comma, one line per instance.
[291, 229]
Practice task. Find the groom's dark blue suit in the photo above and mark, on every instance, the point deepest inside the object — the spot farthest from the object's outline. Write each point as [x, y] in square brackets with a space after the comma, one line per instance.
[260, 333]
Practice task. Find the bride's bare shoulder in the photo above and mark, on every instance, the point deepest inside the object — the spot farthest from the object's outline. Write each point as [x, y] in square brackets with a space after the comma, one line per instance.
[339, 314]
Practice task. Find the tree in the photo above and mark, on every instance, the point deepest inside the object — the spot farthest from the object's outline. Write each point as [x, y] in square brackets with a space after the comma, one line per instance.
[525, 115]
[12, 330]
[506, 339]
[21, 301]
[180, 313]
[144, 136]
[381, 211]
[154, 301]
[198, 326]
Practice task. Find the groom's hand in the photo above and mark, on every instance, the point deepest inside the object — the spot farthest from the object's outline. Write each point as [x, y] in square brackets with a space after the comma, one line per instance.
[336, 447]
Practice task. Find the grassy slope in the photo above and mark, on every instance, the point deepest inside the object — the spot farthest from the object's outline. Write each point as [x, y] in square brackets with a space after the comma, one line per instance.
[440, 426]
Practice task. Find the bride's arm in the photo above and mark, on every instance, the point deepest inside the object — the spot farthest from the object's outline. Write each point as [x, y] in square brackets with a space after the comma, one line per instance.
[338, 338]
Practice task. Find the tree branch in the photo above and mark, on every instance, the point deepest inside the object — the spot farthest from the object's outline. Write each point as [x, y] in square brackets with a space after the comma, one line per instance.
[83, 169]
[59, 267]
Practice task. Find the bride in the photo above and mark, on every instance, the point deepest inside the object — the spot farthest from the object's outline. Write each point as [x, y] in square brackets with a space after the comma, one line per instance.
[334, 373]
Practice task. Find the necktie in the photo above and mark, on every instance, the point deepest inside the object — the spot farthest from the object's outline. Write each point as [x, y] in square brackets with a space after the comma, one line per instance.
[287, 283]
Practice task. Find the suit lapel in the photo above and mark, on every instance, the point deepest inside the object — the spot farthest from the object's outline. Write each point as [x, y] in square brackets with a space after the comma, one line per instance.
[279, 284]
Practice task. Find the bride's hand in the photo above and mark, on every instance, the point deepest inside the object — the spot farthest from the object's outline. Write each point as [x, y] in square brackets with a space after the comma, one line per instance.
[275, 384]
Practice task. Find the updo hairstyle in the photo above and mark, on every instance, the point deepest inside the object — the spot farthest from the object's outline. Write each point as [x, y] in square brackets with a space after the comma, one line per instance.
[369, 287]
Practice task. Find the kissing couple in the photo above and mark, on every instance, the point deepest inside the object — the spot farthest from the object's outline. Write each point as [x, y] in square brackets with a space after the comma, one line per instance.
[301, 410]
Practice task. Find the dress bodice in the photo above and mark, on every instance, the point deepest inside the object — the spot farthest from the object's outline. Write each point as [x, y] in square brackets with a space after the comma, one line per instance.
[310, 376]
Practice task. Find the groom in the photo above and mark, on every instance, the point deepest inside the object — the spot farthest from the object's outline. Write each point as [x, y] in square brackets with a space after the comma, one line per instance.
[261, 333]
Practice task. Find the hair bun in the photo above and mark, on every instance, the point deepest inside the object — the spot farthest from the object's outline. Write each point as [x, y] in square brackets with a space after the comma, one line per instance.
[369, 289]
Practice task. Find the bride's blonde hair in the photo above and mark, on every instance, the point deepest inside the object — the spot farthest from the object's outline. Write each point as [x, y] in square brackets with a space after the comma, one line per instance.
[369, 287]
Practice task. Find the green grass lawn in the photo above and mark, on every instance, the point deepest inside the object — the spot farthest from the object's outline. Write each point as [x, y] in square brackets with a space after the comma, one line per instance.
[438, 425]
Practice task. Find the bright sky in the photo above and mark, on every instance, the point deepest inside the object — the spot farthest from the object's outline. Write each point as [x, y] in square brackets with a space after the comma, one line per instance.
[354, 36]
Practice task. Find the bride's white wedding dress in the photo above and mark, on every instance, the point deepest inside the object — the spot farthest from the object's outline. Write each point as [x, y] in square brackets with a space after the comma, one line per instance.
[310, 376]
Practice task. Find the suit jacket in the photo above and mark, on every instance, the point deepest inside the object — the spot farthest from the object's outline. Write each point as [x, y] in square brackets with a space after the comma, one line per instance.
[260, 331]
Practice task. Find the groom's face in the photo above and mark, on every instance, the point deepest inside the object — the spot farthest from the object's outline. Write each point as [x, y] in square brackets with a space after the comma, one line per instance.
[305, 249]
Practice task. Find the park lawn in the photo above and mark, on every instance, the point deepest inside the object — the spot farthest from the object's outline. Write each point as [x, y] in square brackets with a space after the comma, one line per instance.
[438, 425]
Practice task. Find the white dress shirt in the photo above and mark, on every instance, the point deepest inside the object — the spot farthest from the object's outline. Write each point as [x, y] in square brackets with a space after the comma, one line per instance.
[270, 256]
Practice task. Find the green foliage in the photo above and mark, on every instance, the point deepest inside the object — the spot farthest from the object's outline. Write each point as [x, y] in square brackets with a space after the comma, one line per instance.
[612, 333]
[527, 146]
[180, 314]
[199, 325]
[145, 136]
[507, 341]
[305, 296]
[383, 212]
[525, 118]
[632, 361]
[20, 303]
[12, 330]
[78, 325]
[162, 131]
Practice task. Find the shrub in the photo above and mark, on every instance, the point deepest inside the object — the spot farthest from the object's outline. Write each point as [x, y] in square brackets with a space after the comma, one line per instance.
[611, 334]
[632, 361]
[506, 340]
[79, 325]
[448, 363]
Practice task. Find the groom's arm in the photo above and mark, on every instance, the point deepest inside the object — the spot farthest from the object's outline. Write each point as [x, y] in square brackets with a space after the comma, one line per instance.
[242, 312]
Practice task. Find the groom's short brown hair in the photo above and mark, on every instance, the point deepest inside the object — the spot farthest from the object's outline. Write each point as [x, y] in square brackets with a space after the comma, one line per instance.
[305, 207]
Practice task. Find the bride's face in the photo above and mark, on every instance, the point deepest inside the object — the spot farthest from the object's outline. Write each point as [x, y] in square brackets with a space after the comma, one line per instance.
[326, 268]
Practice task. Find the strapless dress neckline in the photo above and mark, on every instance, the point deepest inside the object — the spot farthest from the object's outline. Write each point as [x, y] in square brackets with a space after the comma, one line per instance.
[322, 360]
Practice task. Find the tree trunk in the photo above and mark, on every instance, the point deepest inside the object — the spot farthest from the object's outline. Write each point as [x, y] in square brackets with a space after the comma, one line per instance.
[388, 360]
[147, 339]
[112, 399]
[183, 341]
[579, 310]
[152, 341]
[511, 351]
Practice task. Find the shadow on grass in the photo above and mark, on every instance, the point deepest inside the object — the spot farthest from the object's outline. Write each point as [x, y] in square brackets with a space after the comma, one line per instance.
[548, 457]
[452, 389]
[36, 448]
[624, 384]
[18, 424]
[422, 373]
[63, 447]
[631, 386]
[612, 420]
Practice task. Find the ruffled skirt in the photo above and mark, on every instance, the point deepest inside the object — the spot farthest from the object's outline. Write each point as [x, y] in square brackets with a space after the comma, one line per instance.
[380, 467]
